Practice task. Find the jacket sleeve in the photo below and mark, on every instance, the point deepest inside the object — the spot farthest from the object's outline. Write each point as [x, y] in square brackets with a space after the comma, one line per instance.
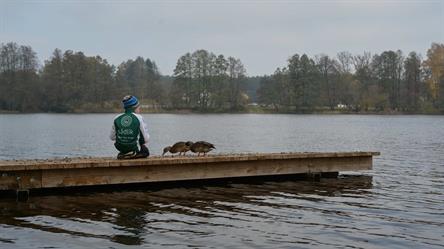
[143, 130]
[112, 134]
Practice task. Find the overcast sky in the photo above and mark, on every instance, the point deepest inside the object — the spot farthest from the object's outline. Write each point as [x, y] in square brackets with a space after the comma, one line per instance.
[263, 34]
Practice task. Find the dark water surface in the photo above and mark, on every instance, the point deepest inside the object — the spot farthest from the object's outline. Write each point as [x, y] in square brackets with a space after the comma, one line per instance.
[399, 204]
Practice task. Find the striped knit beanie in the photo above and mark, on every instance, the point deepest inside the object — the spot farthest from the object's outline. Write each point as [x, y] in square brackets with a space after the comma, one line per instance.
[130, 101]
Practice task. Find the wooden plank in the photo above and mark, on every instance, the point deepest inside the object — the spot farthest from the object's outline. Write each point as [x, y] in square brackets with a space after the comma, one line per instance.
[175, 172]
[157, 160]
[21, 180]
[87, 172]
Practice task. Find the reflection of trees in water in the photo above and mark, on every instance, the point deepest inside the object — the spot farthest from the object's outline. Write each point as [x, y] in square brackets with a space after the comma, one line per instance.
[134, 213]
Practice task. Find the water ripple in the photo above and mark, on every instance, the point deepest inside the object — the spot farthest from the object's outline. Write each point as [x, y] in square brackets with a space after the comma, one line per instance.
[399, 204]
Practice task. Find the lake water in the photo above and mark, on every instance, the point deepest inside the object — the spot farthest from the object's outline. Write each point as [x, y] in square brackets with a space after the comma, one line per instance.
[399, 204]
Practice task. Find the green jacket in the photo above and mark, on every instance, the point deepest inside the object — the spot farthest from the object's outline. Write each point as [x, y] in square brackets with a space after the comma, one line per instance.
[128, 130]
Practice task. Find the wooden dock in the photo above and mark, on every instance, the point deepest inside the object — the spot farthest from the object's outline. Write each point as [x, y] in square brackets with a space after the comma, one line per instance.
[26, 175]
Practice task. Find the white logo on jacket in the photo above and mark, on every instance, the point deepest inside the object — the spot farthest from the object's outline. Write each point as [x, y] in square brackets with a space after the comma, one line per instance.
[126, 121]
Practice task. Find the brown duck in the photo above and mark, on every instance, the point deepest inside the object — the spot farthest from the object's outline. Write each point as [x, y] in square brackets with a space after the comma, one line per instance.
[201, 147]
[179, 147]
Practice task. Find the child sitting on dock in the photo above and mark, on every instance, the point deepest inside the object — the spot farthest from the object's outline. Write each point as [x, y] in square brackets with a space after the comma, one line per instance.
[129, 129]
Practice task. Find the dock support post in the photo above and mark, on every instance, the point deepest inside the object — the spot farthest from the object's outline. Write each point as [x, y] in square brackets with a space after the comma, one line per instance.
[330, 174]
[22, 195]
[314, 176]
[22, 192]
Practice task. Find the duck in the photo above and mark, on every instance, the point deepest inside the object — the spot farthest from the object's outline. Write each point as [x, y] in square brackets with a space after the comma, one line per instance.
[181, 147]
[201, 147]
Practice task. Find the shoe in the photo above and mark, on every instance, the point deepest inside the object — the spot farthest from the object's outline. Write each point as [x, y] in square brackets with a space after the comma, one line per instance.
[128, 155]
[141, 155]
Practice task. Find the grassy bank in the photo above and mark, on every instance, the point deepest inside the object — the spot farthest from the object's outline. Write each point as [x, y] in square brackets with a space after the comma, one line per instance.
[116, 108]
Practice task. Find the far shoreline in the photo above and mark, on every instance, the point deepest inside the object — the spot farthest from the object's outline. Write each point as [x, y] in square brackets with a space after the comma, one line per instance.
[246, 111]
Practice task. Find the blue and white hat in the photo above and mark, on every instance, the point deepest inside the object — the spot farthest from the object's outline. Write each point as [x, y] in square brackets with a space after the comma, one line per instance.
[130, 101]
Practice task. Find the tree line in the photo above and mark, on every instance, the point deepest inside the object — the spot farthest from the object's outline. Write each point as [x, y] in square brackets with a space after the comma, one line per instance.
[71, 81]
[203, 81]
[388, 81]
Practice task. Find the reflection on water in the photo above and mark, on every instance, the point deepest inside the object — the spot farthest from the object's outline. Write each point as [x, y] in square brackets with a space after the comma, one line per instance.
[190, 216]
[399, 204]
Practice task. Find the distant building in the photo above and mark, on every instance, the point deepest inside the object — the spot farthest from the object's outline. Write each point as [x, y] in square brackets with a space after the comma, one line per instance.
[341, 106]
